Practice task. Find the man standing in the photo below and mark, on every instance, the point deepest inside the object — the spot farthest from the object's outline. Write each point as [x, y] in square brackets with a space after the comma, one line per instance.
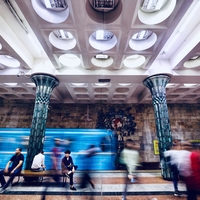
[17, 161]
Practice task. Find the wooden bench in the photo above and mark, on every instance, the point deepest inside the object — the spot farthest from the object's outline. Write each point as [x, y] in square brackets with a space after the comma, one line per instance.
[46, 173]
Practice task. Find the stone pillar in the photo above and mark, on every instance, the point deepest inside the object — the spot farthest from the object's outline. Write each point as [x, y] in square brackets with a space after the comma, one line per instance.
[44, 86]
[156, 85]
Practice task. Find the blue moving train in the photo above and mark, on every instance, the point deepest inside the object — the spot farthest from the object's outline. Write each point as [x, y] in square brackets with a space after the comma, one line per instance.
[76, 140]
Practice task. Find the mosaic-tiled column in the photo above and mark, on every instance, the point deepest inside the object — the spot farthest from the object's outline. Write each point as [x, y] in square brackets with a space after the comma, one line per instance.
[44, 86]
[156, 85]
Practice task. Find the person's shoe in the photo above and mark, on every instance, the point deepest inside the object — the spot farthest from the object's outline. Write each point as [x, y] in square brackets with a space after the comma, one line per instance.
[178, 194]
[40, 179]
[133, 180]
[72, 188]
[2, 190]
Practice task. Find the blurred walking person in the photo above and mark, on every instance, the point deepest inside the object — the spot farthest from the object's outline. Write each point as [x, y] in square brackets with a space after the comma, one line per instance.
[179, 165]
[88, 161]
[129, 157]
[193, 180]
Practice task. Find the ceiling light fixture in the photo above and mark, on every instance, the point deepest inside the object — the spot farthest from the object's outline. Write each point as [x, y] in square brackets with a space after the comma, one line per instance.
[10, 84]
[78, 84]
[152, 5]
[190, 84]
[101, 56]
[124, 84]
[101, 84]
[63, 34]
[142, 35]
[9, 61]
[56, 5]
[194, 57]
[7, 56]
[103, 35]
[106, 4]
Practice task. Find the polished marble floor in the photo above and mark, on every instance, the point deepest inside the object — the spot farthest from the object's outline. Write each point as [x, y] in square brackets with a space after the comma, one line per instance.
[109, 185]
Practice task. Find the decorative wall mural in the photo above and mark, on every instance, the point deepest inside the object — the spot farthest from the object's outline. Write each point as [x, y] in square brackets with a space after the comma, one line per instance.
[120, 121]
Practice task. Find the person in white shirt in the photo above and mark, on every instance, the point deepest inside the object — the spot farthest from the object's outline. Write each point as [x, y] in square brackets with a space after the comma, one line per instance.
[38, 162]
[179, 163]
[130, 157]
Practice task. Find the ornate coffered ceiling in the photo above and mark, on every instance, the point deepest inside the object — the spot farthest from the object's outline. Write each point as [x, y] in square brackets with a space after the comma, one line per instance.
[70, 44]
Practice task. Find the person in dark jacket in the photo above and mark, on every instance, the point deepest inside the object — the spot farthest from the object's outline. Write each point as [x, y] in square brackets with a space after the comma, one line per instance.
[68, 168]
[16, 162]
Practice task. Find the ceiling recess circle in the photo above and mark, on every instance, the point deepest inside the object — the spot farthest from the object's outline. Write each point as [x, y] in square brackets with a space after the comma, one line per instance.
[9, 61]
[134, 61]
[50, 15]
[140, 45]
[103, 44]
[63, 44]
[157, 17]
[104, 63]
[69, 60]
[104, 13]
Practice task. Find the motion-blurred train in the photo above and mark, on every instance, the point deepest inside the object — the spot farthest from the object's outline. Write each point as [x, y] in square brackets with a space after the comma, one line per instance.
[76, 140]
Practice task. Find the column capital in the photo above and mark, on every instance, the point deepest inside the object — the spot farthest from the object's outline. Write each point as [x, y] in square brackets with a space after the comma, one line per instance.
[158, 80]
[45, 79]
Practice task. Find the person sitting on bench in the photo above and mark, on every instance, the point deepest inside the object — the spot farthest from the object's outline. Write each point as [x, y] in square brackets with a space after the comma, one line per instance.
[68, 167]
[17, 161]
[38, 164]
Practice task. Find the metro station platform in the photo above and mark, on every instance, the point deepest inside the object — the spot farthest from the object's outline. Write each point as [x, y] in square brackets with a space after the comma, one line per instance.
[109, 185]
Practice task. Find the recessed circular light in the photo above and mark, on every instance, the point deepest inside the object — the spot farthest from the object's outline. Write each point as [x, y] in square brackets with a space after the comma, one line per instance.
[104, 6]
[50, 13]
[10, 84]
[151, 18]
[192, 62]
[152, 6]
[190, 84]
[30, 84]
[78, 84]
[101, 84]
[102, 62]
[102, 40]
[134, 61]
[69, 60]
[9, 61]
[124, 84]
[109, 9]
[142, 35]
[194, 57]
[62, 40]
[54, 5]
[141, 42]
